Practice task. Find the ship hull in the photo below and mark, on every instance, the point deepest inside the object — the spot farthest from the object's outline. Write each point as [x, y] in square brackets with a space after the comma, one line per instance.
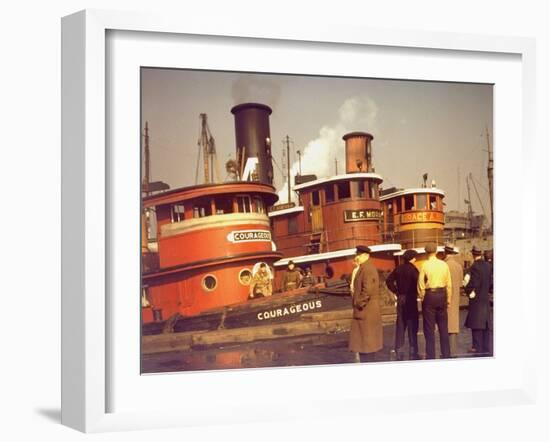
[278, 308]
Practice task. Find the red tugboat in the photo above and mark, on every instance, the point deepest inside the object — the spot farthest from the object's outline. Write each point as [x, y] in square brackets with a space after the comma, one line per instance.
[209, 239]
[335, 215]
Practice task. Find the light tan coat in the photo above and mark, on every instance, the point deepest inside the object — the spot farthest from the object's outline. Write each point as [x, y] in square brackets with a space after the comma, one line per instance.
[457, 275]
[366, 326]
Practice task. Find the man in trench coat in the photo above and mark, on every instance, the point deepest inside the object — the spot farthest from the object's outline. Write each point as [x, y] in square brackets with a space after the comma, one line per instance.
[453, 310]
[479, 314]
[366, 325]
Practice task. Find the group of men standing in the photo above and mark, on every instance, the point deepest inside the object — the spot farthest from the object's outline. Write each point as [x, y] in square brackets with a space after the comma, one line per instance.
[436, 283]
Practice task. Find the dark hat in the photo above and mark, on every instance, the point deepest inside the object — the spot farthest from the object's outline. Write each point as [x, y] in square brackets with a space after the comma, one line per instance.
[476, 251]
[449, 248]
[290, 262]
[431, 247]
[409, 254]
[362, 249]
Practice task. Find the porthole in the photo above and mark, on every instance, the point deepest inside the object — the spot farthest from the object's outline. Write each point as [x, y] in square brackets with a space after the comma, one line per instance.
[245, 277]
[209, 283]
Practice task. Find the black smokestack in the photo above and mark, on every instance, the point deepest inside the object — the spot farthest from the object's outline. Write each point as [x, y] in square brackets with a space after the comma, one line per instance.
[253, 139]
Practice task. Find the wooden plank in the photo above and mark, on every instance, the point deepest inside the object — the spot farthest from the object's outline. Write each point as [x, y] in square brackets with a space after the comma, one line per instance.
[328, 316]
[324, 323]
[250, 334]
[388, 314]
[166, 342]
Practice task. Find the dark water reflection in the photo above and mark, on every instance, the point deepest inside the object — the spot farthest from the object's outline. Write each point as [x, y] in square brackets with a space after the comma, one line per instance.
[284, 352]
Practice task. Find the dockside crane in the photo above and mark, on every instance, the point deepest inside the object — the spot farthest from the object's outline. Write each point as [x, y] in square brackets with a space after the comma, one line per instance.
[207, 149]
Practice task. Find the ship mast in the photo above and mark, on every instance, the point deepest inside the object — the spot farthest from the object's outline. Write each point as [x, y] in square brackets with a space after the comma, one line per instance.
[469, 202]
[145, 192]
[286, 160]
[490, 175]
[147, 175]
[479, 199]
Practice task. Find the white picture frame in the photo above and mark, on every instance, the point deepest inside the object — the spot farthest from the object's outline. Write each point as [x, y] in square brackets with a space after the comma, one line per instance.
[87, 355]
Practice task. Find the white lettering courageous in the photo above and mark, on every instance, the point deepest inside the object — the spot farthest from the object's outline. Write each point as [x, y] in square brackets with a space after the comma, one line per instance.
[291, 310]
[249, 235]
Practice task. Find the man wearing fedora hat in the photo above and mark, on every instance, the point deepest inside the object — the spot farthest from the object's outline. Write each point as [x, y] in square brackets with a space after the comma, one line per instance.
[402, 282]
[453, 310]
[478, 319]
[365, 335]
[435, 292]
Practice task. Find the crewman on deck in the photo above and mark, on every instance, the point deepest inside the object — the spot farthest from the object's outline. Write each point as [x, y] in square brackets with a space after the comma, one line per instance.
[291, 278]
[435, 290]
[261, 284]
[308, 280]
[402, 281]
[453, 311]
[366, 336]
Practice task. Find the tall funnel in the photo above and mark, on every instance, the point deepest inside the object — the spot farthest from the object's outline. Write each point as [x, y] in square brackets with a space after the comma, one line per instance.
[253, 139]
[358, 152]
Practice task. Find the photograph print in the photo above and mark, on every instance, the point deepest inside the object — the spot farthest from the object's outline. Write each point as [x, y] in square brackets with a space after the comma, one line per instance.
[301, 220]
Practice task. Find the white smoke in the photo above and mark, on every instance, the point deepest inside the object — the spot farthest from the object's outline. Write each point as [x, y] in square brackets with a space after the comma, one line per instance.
[319, 155]
[248, 88]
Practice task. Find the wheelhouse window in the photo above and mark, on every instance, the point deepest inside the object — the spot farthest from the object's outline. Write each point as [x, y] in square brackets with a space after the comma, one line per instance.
[315, 198]
[343, 190]
[223, 205]
[177, 213]
[421, 202]
[259, 206]
[433, 202]
[373, 190]
[243, 204]
[202, 209]
[409, 202]
[329, 193]
[397, 205]
[358, 187]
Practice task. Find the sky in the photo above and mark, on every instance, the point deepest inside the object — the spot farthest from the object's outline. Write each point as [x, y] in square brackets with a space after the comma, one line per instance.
[418, 127]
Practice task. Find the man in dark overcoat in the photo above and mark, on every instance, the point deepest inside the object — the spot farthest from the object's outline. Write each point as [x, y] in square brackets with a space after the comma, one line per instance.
[366, 325]
[477, 289]
[402, 282]
[488, 256]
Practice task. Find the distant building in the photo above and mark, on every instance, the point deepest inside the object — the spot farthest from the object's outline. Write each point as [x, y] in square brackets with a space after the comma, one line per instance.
[459, 225]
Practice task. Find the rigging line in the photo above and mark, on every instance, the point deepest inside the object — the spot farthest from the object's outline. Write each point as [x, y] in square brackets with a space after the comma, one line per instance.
[275, 162]
[478, 197]
[480, 185]
[390, 182]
